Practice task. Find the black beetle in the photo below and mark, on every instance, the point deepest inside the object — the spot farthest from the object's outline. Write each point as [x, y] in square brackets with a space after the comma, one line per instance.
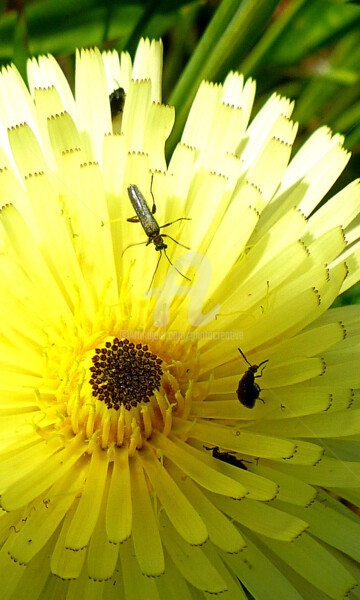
[227, 457]
[248, 390]
[117, 101]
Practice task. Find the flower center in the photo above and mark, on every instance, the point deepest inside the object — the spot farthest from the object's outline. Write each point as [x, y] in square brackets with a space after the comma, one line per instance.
[124, 374]
[119, 391]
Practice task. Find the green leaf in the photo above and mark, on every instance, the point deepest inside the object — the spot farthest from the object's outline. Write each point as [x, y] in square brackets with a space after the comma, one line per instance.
[21, 52]
[315, 26]
[334, 85]
[266, 43]
[60, 27]
[233, 30]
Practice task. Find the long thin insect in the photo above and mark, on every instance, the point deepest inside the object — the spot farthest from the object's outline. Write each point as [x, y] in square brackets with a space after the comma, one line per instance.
[151, 226]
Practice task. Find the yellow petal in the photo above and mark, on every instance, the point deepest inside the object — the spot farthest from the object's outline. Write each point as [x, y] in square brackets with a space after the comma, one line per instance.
[145, 531]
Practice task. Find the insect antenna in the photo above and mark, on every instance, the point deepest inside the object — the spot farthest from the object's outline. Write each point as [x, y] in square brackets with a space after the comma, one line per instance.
[158, 262]
[156, 268]
[244, 357]
[130, 246]
[180, 273]
[262, 363]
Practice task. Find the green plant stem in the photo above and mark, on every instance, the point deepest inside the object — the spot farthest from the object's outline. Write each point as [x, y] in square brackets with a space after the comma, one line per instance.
[274, 31]
[231, 33]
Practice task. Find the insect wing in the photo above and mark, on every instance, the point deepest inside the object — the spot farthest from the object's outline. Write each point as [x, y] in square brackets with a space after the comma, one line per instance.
[246, 392]
[143, 212]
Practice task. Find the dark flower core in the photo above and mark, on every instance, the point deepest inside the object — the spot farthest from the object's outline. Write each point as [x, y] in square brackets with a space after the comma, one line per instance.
[124, 373]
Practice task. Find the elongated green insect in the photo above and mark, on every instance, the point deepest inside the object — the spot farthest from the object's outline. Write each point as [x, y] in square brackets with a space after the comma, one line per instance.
[151, 226]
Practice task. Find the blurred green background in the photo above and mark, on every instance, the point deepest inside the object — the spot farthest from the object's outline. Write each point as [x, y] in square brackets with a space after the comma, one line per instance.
[308, 50]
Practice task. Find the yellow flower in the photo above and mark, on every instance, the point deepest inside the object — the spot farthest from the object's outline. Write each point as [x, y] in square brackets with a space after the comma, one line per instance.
[128, 443]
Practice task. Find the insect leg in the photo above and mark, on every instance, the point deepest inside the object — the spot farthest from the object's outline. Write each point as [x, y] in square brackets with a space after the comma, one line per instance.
[176, 220]
[153, 209]
[176, 242]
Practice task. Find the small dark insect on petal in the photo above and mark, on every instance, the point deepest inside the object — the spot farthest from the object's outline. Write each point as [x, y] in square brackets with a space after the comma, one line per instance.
[248, 390]
[226, 457]
[117, 101]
